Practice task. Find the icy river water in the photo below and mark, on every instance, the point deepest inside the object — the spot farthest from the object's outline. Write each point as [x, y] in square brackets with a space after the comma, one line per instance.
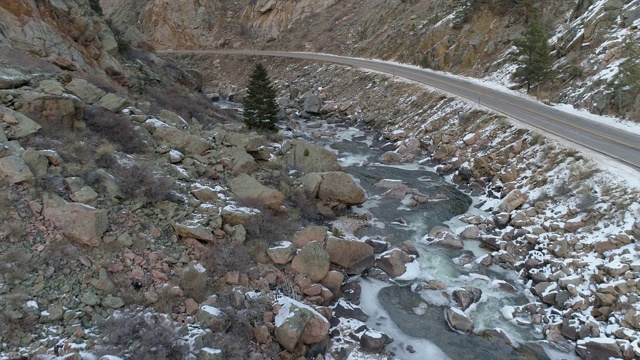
[415, 319]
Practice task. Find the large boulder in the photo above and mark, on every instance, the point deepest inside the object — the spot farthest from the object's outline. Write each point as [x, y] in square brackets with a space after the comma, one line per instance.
[466, 296]
[86, 91]
[512, 201]
[79, 222]
[112, 102]
[18, 125]
[250, 190]
[241, 160]
[308, 158]
[394, 261]
[175, 138]
[309, 234]
[458, 320]
[56, 110]
[13, 170]
[338, 186]
[13, 79]
[299, 323]
[598, 348]
[312, 104]
[354, 256]
[312, 260]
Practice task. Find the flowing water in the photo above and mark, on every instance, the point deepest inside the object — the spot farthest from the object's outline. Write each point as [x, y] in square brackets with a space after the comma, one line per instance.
[415, 318]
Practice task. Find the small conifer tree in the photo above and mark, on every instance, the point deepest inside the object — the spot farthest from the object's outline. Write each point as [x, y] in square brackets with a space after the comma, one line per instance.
[533, 54]
[627, 86]
[260, 107]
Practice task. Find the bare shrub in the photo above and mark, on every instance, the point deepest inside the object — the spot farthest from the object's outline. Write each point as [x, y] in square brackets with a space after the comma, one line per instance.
[586, 198]
[271, 226]
[138, 182]
[561, 189]
[116, 128]
[134, 335]
[14, 263]
[195, 284]
[221, 258]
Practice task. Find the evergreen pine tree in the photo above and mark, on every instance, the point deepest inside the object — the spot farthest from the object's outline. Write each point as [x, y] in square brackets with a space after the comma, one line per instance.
[627, 86]
[260, 107]
[533, 54]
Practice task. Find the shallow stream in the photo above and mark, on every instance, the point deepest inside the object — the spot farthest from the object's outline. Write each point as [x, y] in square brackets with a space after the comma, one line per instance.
[415, 319]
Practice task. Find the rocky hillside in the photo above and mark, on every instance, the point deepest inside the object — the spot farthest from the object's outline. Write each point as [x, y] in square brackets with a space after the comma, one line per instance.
[139, 220]
[468, 37]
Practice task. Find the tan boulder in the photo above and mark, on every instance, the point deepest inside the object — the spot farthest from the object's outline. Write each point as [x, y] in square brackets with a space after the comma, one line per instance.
[56, 110]
[312, 260]
[337, 186]
[80, 223]
[311, 183]
[394, 261]
[241, 160]
[354, 256]
[333, 281]
[308, 158]
[312, 233]
[512, 201]
[248, 189]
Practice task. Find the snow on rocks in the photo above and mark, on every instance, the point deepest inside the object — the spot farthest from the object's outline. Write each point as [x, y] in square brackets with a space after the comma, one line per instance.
[299, 323]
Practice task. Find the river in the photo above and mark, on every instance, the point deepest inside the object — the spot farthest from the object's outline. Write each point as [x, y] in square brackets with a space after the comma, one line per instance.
[415, 319]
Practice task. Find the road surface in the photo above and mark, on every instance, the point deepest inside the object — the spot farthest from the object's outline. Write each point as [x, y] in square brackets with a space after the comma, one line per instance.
[622, 146]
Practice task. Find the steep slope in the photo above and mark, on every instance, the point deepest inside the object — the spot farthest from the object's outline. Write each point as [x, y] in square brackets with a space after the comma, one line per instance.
[470, 37]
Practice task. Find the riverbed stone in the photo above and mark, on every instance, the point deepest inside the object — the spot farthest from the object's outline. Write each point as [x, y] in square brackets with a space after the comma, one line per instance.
[374, 341]
[394, 261]
[308, 158]
[466, 296]
[340, 187]
[458, 321]
[354, 256]
[598, 348]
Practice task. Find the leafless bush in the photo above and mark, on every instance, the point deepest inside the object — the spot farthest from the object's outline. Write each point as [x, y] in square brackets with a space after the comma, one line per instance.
[271, 226]
[224, 257]
[561, 189]
[140, 336]
[116, 128]
[138, 182]
[195, 284]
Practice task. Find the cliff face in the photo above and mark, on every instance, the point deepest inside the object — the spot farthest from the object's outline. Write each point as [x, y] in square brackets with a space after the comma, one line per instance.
[587, 35]
[67, 33]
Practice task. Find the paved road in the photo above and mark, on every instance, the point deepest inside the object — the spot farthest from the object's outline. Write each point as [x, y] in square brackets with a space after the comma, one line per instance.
[619, 145]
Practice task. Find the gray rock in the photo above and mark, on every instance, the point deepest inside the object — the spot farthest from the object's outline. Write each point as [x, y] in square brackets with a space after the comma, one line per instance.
[458, 320]
[598, 348]
[112, 302]
[466, 296]
[393, 262]
[312, 260]
[13, 170]
[112, 102]
[86, 195]
[19, 125]
[90, 298]
[86, 91]
[312, 104]
[12, 79]
[193, 231]
[213, 318]
[512, 201]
